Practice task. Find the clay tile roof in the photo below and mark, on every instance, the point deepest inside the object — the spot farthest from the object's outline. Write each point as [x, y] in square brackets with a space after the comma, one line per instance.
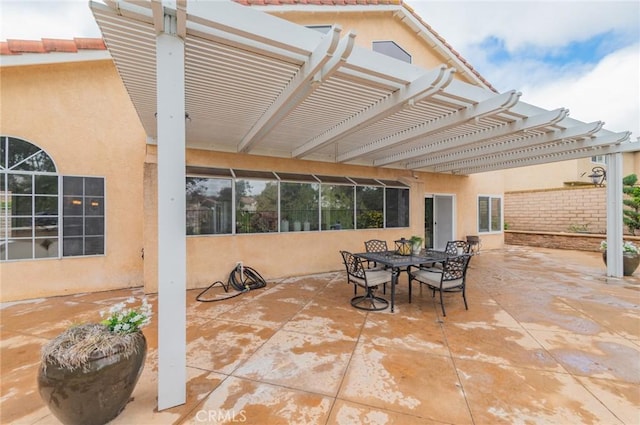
[50, 45]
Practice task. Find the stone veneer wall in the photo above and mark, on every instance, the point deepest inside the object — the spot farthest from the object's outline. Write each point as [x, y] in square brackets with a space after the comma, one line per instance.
[577, 241]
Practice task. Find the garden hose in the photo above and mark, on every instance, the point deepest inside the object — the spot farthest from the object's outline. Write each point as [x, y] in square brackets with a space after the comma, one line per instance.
[242, 279]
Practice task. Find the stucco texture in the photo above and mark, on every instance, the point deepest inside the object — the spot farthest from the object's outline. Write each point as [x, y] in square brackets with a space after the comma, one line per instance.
[80, 114]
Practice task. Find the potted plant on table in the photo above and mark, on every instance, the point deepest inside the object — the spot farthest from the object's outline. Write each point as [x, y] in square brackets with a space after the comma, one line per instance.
[89, 371]
[630, 256]
[416, 244]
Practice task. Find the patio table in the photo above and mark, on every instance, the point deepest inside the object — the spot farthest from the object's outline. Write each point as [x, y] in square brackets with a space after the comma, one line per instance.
[396, 262]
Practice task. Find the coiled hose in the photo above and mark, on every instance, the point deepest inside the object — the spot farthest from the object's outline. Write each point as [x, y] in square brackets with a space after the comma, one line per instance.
[242, 279]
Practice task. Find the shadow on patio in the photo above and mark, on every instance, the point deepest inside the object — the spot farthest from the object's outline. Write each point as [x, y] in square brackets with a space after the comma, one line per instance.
[546, 339]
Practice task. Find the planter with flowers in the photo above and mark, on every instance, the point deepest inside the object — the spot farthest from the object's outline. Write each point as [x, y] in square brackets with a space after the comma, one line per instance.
[89, 371]
[630, 256]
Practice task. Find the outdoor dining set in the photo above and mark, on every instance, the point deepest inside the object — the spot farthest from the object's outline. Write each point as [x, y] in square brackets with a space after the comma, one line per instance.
[441, 271]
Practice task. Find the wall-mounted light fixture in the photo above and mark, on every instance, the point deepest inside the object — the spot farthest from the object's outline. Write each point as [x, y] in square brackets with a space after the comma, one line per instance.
[598, 176]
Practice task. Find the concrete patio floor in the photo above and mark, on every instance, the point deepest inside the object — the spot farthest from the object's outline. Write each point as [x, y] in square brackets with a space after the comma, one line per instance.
[547, 339]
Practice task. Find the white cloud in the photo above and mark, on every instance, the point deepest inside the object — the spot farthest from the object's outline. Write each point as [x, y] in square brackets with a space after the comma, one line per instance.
[610, 92]
[606, 91]
[520, 23]
[36, 19]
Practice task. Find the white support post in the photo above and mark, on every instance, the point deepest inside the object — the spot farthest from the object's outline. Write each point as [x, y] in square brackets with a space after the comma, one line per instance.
[172, 358]
[614, 215]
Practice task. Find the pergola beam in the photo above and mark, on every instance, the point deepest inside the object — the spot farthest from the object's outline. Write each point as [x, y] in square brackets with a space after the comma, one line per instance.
[472, 168]
[322, 63]
[446, 143]
[420, 89]
[518, 142]
[488, 107]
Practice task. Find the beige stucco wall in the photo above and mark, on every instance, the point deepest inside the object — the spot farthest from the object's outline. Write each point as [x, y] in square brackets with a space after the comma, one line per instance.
[276, 255]
[81, 116]
[558, 174]
[378, 26]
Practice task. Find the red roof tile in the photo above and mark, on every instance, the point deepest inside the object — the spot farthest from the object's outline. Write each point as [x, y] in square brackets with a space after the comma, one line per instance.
[49, 45]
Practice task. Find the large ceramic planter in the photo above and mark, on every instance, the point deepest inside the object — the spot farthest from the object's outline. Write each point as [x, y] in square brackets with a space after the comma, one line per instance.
[630, 262]
[95, 394]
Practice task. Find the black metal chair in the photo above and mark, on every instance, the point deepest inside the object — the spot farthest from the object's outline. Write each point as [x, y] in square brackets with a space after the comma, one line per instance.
[375, 245]
[369, 279]
[457, 247]
[451, 278]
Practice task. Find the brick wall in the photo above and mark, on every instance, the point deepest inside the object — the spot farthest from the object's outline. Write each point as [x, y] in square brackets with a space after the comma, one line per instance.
[557, 210]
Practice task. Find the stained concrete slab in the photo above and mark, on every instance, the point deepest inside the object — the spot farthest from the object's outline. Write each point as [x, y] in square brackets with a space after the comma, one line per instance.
[548, 338]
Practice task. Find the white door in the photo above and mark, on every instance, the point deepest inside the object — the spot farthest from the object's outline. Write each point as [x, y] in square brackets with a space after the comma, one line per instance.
[442, 221]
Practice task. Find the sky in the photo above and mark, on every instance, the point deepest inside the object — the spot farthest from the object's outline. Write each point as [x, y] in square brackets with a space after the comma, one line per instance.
[581, 55]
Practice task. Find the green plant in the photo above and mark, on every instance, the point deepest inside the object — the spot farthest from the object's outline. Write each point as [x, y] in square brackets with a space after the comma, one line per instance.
[631, 214]
[416, 240]
[627, 246]
[579, 228]
[118, 332]
[123, 319]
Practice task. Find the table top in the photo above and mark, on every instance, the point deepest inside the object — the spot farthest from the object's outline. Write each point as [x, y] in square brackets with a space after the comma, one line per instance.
[392, 259]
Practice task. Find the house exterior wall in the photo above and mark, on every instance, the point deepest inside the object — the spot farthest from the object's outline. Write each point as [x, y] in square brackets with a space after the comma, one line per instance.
[564, 173]
[374, 26]
[278, 255]
[81, 116]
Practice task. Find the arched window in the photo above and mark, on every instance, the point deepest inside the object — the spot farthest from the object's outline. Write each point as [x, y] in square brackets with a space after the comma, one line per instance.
[37, 206]
[28, 201]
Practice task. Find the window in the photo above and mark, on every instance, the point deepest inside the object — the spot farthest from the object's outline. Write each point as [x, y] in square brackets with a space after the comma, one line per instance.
[83, 216]
[265, 201]
[299, 206]
[489, 214]
[31, 211]
[369, 207]
[209, 206]
[337, 206]
[599, 159]
[396, 207]
[256, 206]
[320, 28]
[28, 201]
[390, 48]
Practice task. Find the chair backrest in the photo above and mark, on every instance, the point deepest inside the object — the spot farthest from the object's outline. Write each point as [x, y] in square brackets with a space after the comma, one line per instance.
[457, 247]
[375, 245]
[353, 264]
[455, 268]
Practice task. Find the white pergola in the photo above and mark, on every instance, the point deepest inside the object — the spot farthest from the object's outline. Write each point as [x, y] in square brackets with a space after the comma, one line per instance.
[220, 76]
